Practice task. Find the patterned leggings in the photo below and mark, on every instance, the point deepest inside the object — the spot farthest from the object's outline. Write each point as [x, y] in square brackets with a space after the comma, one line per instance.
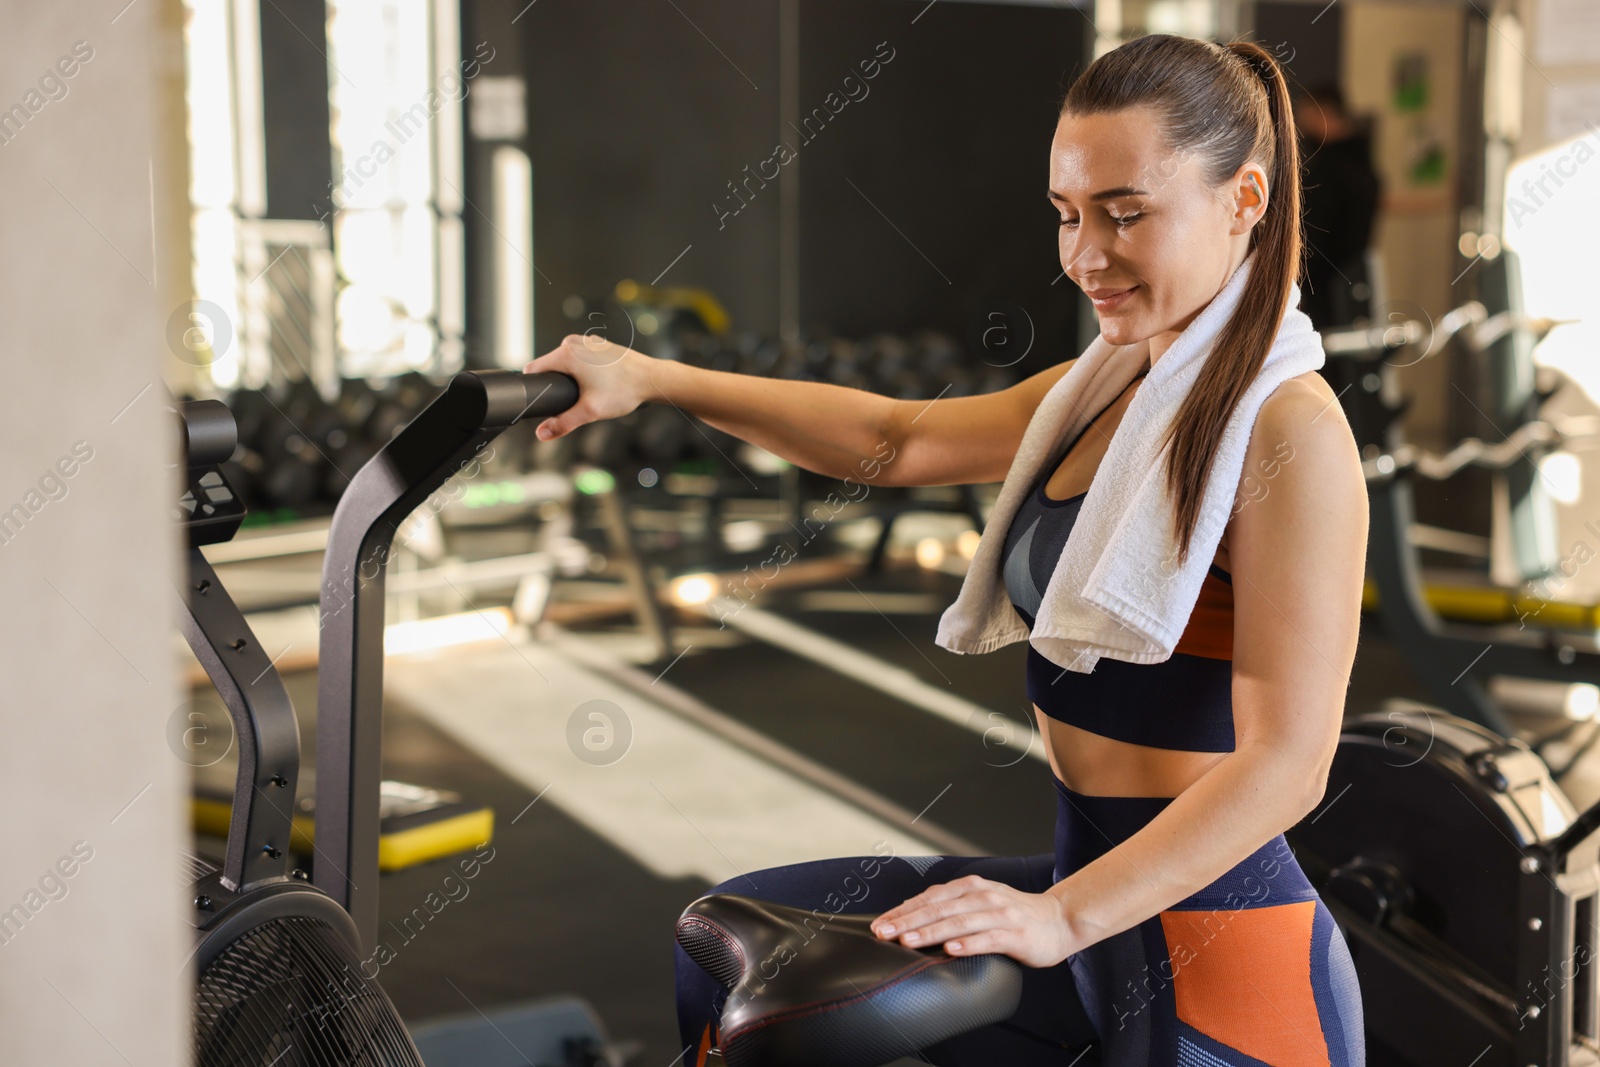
[1249, 972]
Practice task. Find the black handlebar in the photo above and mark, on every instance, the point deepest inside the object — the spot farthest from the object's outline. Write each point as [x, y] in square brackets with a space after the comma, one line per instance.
[539, 396]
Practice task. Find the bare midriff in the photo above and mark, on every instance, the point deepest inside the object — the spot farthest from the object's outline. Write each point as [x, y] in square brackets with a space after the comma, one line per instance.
[1103, 767]
[1086, 762]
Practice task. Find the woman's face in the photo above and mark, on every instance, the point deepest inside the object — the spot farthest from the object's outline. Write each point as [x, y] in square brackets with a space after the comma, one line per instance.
[1141, 232]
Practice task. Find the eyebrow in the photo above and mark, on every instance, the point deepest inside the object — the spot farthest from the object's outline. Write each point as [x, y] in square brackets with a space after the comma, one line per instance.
[1106, 194]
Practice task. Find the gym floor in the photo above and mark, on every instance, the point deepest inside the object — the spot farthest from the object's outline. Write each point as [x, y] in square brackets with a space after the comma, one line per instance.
[593, 863]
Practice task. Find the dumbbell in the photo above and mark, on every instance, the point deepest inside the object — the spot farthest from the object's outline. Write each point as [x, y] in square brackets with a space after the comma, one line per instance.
[934, 352]
[291, 473]
[607, 443]
[357, 400]
[291, 466]
[250, 409]
[397, 404]
[660, 435]
[764, 362]
[322, 423]
[695, 348]
[886, 356]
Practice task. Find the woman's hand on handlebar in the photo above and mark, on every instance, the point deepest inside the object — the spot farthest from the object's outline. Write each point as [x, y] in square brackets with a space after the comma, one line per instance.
[612, 381]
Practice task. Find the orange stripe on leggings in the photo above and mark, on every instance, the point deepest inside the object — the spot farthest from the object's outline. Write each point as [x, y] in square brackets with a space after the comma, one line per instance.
[1244, 978]
[706, 1045]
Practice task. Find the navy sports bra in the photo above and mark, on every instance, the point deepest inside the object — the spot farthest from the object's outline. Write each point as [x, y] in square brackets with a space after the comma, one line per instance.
[1184, 702]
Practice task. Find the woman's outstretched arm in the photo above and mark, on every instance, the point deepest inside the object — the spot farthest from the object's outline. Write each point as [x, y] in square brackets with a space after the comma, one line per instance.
[830, 429]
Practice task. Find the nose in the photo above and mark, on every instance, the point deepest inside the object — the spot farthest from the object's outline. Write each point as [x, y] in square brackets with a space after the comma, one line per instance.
[1082, 252]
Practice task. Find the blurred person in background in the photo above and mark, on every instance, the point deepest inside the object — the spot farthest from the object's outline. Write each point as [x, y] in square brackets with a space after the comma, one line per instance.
[1341, 191]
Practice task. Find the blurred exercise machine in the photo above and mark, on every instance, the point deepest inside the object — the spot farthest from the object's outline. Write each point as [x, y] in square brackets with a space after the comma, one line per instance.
[719, 481]
[1453, 659]
[1465, 883]
[1462, 875]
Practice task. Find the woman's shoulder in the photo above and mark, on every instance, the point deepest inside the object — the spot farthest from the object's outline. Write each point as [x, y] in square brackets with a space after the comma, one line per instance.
[1306, 396]
[1301, 421]
[1301, 461]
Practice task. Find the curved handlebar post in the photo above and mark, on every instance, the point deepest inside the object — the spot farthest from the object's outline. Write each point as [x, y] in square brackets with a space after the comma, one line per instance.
[263, 717]
[445, 438]
[263, 723]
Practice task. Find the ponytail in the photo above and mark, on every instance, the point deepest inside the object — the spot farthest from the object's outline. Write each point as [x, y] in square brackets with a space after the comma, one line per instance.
[1229, 105]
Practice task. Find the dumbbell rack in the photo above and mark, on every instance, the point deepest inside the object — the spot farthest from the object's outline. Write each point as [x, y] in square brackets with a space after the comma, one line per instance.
[1455, 660]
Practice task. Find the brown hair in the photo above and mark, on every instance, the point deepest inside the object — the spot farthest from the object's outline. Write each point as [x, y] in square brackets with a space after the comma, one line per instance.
[1226, 105]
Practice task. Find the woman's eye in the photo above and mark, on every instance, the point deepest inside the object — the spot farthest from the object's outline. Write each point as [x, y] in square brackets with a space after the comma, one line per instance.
[1120, 220]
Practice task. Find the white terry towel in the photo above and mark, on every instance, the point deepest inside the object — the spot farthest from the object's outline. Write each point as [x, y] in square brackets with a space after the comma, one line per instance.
[1117, 590]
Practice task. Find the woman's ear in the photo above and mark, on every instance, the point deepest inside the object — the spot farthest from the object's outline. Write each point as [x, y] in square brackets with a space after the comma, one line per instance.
[1250, 197]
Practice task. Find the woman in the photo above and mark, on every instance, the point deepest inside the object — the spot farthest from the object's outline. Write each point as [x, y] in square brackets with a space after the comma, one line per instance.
[1172, 925]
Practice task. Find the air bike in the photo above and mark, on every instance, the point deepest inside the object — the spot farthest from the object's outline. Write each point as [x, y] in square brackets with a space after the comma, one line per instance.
[280, 958]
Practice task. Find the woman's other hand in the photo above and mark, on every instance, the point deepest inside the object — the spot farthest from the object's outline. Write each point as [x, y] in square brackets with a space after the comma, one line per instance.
[612, 381]
[974, 915]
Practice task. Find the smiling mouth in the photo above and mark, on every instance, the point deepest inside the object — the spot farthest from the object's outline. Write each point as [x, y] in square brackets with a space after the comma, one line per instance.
[1109, 297]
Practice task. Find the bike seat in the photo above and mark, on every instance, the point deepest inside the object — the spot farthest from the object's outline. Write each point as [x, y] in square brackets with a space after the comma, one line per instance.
[815, 989]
